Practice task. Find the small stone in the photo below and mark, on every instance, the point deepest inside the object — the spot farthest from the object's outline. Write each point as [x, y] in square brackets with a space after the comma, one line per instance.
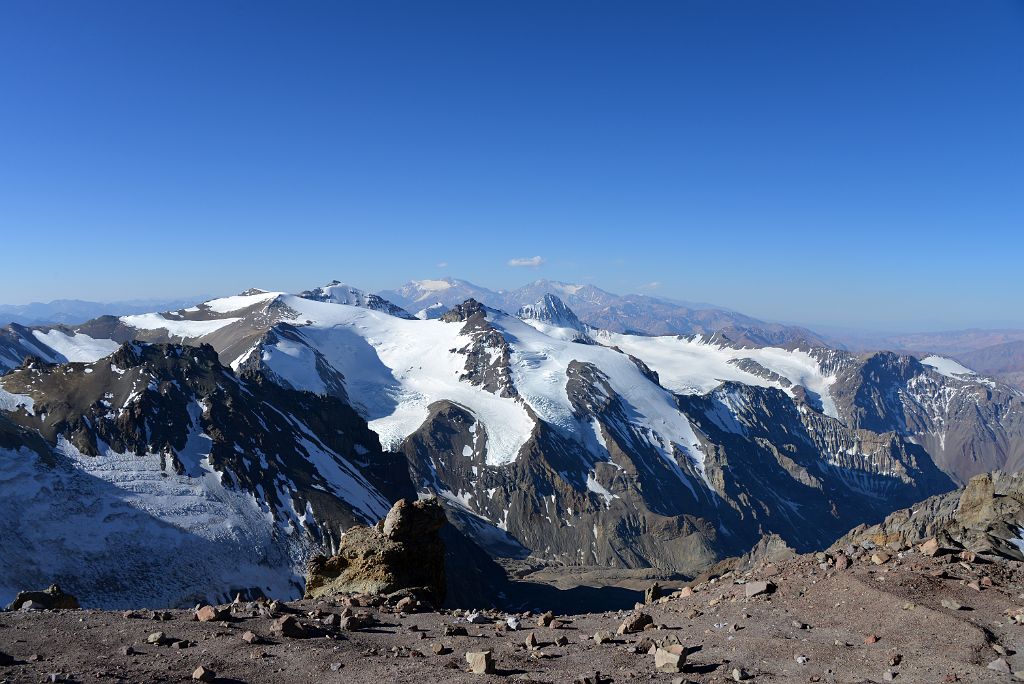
[802, 659]
[203, 674]
[288, 626]
[477, 619]
[842, 561]
[799, 625]
[156, 638]
[562, 641]
[889, 675]
[332, 620]
[758, 588]
[336, 667]
[670, 659]
[250, 637]
[440, 649]
[211, 614]
[880, 558]
[951, 604]
[871, 639]
[999, 665]
[531, 641]
[930, 547]
[125, 651]
[513, 623]
[546, 619]
[998, 648]
[454, 630]
[602, 637]
[31, 606]
[480, 662]
[739, 674]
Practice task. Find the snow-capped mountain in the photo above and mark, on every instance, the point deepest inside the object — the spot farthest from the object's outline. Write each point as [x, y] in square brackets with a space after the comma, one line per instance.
[339, 293]
[626, 451]
[156, 472]
[631, 313]
[550, 315]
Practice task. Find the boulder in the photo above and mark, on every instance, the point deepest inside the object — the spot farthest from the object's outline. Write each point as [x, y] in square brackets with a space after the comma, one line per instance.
[480, 662]
[635, 622]
[212, 614]
[670, 658]
[52, 598]
[758, 588]
[404, 551]
[653, 593]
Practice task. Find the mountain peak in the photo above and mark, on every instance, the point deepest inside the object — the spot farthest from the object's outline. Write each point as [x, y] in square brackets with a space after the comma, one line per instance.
[551, 310]
[337, 292]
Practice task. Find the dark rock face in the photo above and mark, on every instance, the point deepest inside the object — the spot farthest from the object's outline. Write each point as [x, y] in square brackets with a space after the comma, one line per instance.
[163, 443]
[403, 551]
[53, 598]
[967, 426]
[985, 517]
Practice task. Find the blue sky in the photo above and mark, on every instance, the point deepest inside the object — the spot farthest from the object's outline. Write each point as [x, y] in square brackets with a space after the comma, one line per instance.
[839, 163]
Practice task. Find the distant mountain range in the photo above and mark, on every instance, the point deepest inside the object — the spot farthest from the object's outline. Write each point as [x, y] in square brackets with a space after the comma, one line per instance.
[633, 313]
[76, 310]
[264, 423]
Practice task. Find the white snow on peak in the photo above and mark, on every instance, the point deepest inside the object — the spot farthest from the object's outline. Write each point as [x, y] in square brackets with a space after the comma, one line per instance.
[77, 347]
[395, 369]
[948, 367]
[239, 302]
[177, 328]
[12, 402]
[693, 366]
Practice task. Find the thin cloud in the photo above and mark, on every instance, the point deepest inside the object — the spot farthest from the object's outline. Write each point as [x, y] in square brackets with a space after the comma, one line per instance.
[442, 264]
[528, 262]
[654, 285]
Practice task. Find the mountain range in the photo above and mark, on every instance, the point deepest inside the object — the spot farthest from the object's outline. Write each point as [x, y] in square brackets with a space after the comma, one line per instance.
[265, 423]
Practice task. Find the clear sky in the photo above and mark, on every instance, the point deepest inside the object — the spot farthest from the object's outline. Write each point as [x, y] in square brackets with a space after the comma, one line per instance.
[841, 163]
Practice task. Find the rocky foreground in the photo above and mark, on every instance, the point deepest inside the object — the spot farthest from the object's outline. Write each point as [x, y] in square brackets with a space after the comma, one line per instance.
[867, 615]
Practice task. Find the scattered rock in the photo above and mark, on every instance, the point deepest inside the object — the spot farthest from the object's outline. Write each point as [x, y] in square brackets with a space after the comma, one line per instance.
[653, 593]
[157, 639]
[635, 622]
[480, 662]
[871, 639]
[930, 548]
[440, 649]
[880, 558]
[288, 626]
[670, 658]
[250, 637]
[531, 641]
[1000, 665]
[513, 623]
[211, 614]
[203, 674]
[951, 604]
[602, 637]
[53, 598]
[739, 674]
[758, 588]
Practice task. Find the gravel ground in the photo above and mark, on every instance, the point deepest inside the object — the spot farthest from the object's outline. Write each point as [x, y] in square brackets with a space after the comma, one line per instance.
[815, 626]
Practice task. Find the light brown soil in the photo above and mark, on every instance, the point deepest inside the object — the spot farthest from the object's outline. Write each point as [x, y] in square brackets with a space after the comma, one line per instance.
[933, 643]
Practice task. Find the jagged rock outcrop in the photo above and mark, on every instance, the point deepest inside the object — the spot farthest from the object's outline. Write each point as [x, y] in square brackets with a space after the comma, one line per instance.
[985, 517]
[402, 551]
[52, 598]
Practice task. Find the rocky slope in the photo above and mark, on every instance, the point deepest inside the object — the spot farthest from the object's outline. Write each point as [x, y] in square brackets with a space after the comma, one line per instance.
[156, 476]
[870, 615]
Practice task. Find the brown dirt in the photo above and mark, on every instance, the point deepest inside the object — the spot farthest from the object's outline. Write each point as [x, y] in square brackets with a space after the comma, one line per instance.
[841, 608]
